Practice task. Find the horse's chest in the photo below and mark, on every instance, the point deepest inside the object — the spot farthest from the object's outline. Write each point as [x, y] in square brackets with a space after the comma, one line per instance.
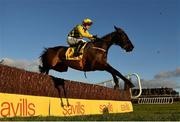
[95, 62]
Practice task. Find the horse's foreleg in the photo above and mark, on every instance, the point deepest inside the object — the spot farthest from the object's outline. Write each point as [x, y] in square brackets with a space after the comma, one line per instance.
[110, 69]
[116, 81]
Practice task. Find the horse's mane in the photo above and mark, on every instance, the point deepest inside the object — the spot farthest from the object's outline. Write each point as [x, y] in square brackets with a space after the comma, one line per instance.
[107, 35]
[102, 39]
[58, 47]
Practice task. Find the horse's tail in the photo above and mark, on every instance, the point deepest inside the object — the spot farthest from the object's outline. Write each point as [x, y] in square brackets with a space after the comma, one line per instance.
[44, 67]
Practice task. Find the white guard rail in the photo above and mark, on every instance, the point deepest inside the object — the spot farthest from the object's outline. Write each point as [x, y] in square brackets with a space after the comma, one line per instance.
[139, 84]
[156, 100]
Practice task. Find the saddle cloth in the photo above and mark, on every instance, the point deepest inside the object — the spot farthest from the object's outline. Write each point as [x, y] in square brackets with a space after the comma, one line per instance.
[70, 53]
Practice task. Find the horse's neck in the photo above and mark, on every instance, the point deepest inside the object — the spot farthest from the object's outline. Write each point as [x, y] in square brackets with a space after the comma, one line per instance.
[108, 36]
[105, 42]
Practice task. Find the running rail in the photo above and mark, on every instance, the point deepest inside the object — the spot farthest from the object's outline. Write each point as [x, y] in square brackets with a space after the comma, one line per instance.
[156, 100]
[139, 84]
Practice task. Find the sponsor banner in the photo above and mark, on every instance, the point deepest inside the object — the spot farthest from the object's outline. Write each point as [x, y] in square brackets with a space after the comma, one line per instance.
[86, 107]
[25, 105]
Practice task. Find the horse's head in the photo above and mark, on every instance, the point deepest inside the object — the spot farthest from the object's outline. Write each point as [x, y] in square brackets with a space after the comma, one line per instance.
[120, 38]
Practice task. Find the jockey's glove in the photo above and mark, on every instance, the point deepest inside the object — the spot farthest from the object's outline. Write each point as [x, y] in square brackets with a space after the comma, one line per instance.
[95, 36]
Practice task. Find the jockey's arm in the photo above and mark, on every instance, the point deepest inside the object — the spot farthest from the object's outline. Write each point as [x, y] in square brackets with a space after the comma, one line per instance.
[92, 38]
[84, 33]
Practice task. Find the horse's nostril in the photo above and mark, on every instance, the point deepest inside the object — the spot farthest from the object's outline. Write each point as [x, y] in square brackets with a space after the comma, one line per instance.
[129, 49]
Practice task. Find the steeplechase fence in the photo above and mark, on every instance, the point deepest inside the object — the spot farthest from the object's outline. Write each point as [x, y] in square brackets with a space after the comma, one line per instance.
[24, 93]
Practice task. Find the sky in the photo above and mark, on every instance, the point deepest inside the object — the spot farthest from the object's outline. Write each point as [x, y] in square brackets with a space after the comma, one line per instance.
[153, 26]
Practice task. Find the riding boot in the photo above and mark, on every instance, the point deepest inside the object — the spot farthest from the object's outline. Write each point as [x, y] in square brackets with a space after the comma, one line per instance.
[78, 48]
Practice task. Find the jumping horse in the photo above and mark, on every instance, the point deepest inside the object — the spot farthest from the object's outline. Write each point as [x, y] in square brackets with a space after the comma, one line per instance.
[94, 56]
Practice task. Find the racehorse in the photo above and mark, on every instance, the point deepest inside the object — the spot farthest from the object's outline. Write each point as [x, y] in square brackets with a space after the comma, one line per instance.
[94, 56]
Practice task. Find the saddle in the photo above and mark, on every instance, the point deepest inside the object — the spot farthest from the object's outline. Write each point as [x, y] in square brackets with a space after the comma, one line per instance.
[70, 53]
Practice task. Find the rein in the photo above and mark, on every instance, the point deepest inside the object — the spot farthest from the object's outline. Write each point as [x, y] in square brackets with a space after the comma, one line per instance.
[101, 49]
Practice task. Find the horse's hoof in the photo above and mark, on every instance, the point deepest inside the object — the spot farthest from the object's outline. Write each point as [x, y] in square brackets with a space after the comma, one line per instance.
[131, 85]
[128, 86]
[116, 87]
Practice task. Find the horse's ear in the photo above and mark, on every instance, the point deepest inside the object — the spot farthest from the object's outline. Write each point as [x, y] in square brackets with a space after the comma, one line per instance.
[116, 28]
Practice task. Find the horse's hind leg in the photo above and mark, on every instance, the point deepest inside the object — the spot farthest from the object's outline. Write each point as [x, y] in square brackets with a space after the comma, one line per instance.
[60, 67]
[44, 69]
[47, 71]
[52, 57]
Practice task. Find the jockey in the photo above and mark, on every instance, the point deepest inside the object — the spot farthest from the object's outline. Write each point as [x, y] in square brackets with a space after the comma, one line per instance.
[76, 35]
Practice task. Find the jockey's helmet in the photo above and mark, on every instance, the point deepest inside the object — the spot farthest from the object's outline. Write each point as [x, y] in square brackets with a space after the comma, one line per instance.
[87, 22]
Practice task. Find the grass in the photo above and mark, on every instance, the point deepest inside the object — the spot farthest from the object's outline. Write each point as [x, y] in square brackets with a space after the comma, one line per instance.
[164, 112]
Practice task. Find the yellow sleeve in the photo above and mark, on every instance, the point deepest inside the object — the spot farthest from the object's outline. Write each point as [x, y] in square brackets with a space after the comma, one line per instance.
[83, 32]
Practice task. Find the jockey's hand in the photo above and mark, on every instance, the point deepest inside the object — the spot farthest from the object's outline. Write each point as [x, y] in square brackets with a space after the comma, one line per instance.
[95, 37]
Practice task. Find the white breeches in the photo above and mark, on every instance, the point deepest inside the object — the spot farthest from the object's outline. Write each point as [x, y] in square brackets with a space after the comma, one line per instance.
[73, 41]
